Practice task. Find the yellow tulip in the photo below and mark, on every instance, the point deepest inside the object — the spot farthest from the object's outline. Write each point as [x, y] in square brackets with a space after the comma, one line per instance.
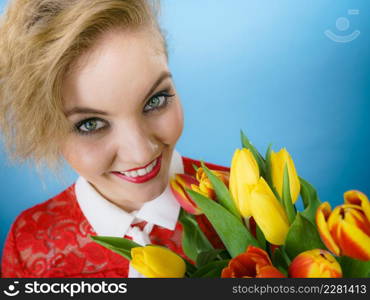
[244, 173]
[205, 186]
[278, 162]
[268, 213]
[157, 262]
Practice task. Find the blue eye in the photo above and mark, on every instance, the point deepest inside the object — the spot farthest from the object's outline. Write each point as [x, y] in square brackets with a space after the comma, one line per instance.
[90, 125]
[157, 102]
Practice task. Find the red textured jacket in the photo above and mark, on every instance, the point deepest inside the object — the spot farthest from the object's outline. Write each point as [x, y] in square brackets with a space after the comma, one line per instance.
[51, 239]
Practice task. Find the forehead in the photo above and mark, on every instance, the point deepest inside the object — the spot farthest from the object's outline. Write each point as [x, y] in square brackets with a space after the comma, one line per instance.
[121, 64]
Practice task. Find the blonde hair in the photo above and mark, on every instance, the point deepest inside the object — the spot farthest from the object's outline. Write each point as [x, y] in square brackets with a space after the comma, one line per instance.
[39, 40]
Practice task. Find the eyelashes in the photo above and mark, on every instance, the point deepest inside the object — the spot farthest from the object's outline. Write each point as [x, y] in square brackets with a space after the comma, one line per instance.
[90, 125]
[94, 125]
[157, 102]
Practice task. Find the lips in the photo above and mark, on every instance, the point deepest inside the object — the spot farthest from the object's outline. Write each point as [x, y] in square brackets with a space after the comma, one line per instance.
[154, 168]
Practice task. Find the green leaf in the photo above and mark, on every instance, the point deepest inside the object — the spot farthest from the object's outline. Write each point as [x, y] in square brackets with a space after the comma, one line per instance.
[222, 192]
[310, 200]
[224, 255]
[261, 237]
[268, 174]
[193, 239]
[354, 268]
[212, 269]
[287, 199]
[302, 236]
[279, 261]
[230, 229]
[206, 257]
[285, 255]
[118, 245]
[190, 268]
[260, 161]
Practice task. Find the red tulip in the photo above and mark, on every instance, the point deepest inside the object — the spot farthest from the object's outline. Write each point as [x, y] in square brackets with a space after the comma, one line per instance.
[315, 263]
[253, 263]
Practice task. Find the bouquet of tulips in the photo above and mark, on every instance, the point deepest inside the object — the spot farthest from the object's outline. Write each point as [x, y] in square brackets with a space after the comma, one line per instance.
[259, 230]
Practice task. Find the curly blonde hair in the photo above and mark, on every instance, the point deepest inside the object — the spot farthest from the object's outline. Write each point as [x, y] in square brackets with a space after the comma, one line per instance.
[39, 40]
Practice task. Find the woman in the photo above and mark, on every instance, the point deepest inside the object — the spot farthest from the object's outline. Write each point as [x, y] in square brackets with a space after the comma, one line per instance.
[87, 81]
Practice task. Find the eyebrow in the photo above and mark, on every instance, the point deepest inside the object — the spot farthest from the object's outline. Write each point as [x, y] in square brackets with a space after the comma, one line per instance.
[86, 110]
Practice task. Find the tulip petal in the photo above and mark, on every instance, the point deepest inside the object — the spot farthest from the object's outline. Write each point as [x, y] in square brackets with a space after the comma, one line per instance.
[353, 241]
[205, 188]
[278, 161]
[315, 263]
[244, 195]
[244, 171]
[243, 265]
[277, 170]
[158, 262]
[253, 263]
[261, 253]
[233, 177]
[322, 215]
[269, 272]
[183, 199]
[268, 213]
[247, 167]
[354, 215]
[227, 273]
[295, 185]
[185, 180]
[360, 199]
[138, 261]
[137, 252]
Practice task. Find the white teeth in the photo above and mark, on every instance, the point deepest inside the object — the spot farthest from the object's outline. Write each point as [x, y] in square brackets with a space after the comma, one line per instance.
[141, 172]
[132, 173]
[149, 168]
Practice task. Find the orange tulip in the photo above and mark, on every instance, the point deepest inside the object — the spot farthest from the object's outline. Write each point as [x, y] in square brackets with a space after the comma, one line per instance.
[346, 229]
[359, 199]
[204, 186]
[178, 185]
[315, 263]
[253, 263]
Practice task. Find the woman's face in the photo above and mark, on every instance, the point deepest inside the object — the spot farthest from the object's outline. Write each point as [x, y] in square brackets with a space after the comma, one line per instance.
[127, 117]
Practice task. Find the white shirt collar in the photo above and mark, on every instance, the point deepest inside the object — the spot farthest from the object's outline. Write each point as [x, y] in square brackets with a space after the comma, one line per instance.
[108, 219]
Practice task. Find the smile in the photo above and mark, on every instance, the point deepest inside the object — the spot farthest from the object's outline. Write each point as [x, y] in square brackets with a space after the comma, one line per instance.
[143, 174]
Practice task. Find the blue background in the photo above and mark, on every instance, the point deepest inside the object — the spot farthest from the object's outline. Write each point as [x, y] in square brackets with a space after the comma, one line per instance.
[265, 67]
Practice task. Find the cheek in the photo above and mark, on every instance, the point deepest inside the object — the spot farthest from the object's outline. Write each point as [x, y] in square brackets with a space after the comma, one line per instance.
[86, 158]
[170, 126]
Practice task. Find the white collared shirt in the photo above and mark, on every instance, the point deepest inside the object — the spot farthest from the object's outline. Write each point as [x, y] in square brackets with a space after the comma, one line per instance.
[107, 219]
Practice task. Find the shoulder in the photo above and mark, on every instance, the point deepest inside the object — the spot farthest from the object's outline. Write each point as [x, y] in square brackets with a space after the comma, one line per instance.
[43, 215]
[51, 219]
[28, 233]
[45, 238]
[189, 163]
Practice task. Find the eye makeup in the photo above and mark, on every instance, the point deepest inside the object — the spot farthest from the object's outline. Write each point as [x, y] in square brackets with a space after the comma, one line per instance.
[91, 125]
[95, 125]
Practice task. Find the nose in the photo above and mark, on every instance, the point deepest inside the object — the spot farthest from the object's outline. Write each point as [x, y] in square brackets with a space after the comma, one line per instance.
[137, 145]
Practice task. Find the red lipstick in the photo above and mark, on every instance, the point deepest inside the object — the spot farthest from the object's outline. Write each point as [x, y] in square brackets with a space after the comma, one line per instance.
[144, 178]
